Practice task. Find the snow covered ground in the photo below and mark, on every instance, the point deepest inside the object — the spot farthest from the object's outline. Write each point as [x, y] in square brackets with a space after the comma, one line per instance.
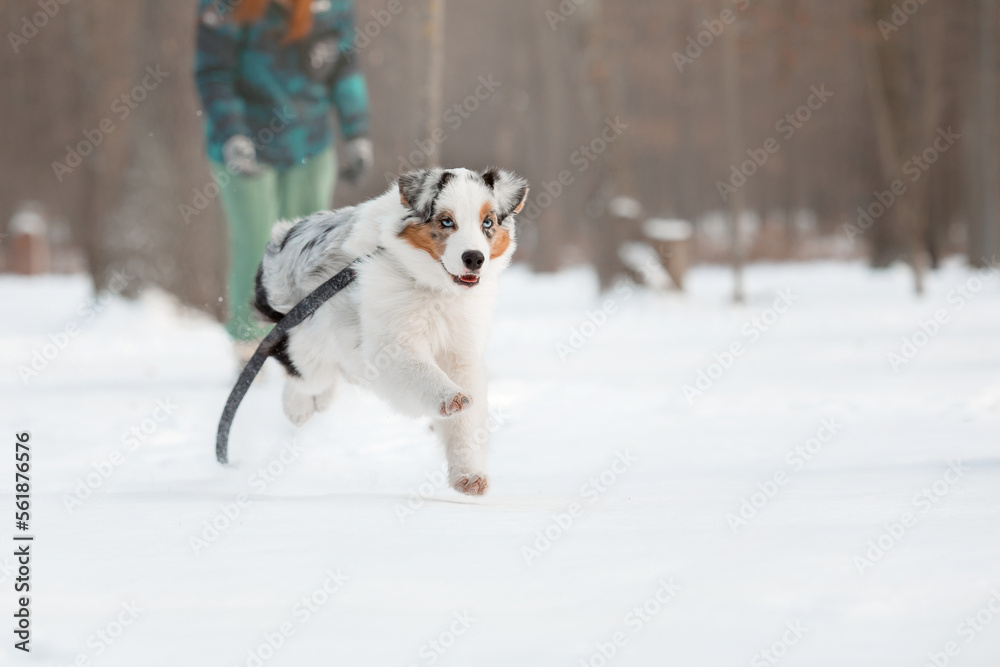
[811, 500]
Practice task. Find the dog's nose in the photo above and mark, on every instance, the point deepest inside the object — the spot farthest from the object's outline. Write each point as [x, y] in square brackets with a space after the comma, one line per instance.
[473, 259]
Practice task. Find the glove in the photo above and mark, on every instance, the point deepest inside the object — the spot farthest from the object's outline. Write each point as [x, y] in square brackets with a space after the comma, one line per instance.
[359, 158]
[240, 156]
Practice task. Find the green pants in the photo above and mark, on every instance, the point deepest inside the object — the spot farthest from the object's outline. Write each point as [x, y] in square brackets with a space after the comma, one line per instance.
[253, 204]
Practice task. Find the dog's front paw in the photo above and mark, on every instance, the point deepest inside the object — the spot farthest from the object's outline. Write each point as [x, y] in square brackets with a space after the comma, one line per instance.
[454, 404]
[471, 485]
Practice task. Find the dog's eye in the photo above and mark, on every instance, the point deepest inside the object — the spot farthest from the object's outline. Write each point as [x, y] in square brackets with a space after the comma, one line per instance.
[447, 222]
[487, 223]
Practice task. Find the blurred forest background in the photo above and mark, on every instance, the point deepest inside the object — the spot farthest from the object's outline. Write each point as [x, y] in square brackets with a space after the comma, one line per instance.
[643, 107]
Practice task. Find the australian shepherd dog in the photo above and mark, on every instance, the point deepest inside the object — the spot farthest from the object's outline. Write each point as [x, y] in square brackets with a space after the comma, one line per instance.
[413, 325]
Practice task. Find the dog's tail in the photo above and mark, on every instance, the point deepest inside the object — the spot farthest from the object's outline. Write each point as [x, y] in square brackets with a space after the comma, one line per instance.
[260, 302]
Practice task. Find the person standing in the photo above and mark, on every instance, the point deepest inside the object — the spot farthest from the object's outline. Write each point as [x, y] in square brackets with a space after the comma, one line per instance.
[269, 73]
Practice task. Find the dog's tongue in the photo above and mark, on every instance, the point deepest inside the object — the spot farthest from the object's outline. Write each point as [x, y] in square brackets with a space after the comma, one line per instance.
[469, 278]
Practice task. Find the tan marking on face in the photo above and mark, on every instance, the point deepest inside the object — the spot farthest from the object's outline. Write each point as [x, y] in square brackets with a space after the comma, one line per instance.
[424, 237]
[499, 243]
[484, 210]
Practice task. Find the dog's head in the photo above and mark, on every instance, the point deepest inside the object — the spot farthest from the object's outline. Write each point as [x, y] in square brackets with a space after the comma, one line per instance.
[459, 226]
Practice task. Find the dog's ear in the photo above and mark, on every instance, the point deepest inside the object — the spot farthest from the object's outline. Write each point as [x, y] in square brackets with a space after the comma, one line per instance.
[510, 190]
[419, 189]
[411, 184]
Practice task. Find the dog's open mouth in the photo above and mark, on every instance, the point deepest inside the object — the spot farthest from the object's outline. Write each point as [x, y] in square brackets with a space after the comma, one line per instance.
[467, 279]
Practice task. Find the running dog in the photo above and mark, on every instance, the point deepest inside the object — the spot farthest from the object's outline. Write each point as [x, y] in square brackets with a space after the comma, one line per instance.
[412, 326]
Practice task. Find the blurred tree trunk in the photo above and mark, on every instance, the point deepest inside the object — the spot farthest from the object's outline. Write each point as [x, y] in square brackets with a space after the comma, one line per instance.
[789, 188]
[434, 14]
[985, 220]
[734, 136]
[510, 137]
[188, 258]
[148, 166]
[109, 61]
[614, 171]
[883, 74]
[550, 57]
[904, 76]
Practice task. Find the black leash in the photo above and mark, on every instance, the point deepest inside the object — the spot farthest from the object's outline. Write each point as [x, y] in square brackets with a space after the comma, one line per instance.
[301, 311]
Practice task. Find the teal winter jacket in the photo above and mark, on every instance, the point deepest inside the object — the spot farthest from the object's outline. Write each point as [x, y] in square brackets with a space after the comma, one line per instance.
[280, 95]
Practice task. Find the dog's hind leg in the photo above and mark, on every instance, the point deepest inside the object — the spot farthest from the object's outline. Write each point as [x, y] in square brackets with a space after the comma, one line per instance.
[325, 398]
[298, 402]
